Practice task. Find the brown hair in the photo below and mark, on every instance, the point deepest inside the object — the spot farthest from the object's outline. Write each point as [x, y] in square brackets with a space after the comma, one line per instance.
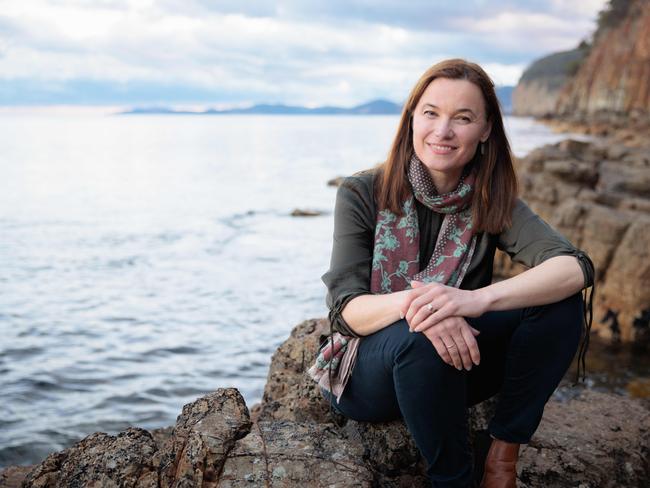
[496, 182]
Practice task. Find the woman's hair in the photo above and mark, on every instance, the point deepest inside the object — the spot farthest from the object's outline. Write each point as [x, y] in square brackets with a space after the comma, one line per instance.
[496, 182]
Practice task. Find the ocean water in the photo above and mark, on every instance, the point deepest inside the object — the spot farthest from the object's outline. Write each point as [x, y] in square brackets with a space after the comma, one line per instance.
[148, 260]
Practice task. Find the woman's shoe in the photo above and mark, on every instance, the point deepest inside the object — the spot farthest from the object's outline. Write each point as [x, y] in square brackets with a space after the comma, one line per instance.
[501, 465]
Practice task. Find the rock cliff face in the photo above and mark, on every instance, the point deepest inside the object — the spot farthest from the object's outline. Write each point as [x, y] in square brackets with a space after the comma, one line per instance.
[610, 76]
[538, 89]
[614, 76]
[591, 440]
[598, 195]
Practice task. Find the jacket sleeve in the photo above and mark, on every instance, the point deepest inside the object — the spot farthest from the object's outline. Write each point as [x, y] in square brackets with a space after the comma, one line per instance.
[531, 241]
[350, 266]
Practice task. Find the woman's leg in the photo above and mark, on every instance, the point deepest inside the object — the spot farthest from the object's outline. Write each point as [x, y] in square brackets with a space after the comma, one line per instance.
[399, 373]
[524, 355]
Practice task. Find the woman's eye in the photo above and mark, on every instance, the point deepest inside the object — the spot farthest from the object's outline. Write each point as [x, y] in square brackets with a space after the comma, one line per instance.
[464, 119]
[429, 113]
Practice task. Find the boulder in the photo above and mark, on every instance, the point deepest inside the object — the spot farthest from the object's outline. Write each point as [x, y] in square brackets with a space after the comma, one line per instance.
[596, 193]
[586, 439]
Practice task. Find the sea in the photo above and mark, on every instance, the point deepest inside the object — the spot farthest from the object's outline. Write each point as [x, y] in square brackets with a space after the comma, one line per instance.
[148, 260]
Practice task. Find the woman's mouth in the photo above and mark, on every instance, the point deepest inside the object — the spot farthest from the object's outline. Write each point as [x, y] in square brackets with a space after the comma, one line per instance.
[441, 148]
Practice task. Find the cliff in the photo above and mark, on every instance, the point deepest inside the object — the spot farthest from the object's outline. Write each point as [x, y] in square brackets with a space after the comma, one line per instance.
[589, 439]
[614, 76]
[609, 76]
[538, 89]
[598, 195]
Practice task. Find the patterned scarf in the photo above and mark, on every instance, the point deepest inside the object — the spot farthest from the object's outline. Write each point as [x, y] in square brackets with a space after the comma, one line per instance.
[396, 259]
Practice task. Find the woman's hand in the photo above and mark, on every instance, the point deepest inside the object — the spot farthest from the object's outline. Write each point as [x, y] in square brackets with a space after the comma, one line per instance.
[454, 340]
[428, 304]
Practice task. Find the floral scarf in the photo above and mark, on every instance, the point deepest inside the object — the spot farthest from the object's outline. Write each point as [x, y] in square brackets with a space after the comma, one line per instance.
[396, 260]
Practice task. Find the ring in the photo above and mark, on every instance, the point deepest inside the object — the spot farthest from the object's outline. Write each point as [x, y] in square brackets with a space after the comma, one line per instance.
[430, 308]
[450, 347]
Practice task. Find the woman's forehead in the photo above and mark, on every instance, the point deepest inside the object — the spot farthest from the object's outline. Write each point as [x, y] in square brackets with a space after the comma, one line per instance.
[451, 93]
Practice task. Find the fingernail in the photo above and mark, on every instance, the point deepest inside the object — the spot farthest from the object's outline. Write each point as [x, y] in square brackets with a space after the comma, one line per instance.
[401, 315]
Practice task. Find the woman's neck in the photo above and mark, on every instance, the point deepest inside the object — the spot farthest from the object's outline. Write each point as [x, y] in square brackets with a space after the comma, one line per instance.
[445, 182]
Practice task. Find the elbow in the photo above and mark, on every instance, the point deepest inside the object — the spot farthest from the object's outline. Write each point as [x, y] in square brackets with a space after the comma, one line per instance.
[587, 269]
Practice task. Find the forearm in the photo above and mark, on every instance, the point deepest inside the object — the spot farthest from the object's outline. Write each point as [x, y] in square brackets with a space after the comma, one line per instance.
[551, 281]
[367, 314]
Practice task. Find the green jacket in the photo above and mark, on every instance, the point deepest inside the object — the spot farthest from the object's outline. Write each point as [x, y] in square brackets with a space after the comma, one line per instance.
[529, 241]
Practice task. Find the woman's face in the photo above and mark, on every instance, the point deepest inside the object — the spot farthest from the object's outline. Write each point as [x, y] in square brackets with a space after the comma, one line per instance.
[448, 123]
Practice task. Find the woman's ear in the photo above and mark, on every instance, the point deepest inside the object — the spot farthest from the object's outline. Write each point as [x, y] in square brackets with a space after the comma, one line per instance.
[486, 133]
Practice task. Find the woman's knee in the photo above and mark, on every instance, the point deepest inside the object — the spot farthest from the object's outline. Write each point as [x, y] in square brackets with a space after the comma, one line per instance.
[559, 321]
[412, 346]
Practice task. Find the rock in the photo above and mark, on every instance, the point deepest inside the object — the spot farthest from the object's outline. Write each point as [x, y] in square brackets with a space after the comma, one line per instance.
[594, 201]
[303, 212]
[625, 286]
[204, 434]
[289, 454]
[614, 75]
[290, 394]
[573, 171]
[13, 476]
[100, 460]
[594, 440]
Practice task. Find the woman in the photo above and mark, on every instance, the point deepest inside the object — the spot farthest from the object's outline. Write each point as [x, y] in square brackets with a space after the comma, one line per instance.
[421, 331]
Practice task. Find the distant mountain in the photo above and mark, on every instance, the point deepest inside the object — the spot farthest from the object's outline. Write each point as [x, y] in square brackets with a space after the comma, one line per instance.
[375, 107]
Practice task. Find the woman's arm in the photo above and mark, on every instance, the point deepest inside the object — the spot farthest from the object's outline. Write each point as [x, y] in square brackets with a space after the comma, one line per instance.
[366, 314]
[553, 280]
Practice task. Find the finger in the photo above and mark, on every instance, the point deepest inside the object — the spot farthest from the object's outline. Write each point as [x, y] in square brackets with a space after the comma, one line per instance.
[463, 350]
[408, 302]
[472, 345]
[442, 350]
[436, 313]
[441, 313]
[417, 284]
[452, 349]
[415, 303]
[421, 315]
[474, 331]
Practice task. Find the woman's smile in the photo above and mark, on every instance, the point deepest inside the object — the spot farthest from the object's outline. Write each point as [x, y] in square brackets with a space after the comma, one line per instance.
[441, 148]
[449, 122]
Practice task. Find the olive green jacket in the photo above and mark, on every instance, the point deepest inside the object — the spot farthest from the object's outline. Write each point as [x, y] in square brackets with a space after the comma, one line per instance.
[529, 241]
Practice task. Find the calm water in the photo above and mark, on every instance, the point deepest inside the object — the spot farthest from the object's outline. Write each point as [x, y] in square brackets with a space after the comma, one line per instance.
[145, 261]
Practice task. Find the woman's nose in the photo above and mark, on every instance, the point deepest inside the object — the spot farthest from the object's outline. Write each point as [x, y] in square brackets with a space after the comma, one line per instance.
[442, 128]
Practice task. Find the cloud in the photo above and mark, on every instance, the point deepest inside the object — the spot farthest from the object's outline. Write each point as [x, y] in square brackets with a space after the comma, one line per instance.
[287, 51]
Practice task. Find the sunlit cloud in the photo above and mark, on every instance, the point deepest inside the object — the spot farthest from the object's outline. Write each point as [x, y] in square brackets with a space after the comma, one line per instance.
[286, 51]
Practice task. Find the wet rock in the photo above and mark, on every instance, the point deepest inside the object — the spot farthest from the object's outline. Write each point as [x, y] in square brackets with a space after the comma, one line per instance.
[304, 212]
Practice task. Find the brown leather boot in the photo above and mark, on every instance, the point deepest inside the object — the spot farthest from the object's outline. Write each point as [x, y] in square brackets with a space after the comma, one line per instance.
[501, 465]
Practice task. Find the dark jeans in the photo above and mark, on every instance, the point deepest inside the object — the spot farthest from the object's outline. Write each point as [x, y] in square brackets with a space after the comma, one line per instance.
[399, 374]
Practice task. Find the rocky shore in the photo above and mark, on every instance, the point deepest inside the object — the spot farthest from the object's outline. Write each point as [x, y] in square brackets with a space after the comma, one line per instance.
[290, 439]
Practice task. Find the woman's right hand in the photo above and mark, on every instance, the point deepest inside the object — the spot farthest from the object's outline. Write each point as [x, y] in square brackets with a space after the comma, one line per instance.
[454, 341]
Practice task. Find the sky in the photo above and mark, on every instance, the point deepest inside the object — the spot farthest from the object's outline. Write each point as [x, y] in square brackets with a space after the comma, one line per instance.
[235, 53]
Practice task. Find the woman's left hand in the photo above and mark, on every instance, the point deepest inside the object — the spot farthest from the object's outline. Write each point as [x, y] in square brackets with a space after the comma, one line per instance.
[427, 304]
